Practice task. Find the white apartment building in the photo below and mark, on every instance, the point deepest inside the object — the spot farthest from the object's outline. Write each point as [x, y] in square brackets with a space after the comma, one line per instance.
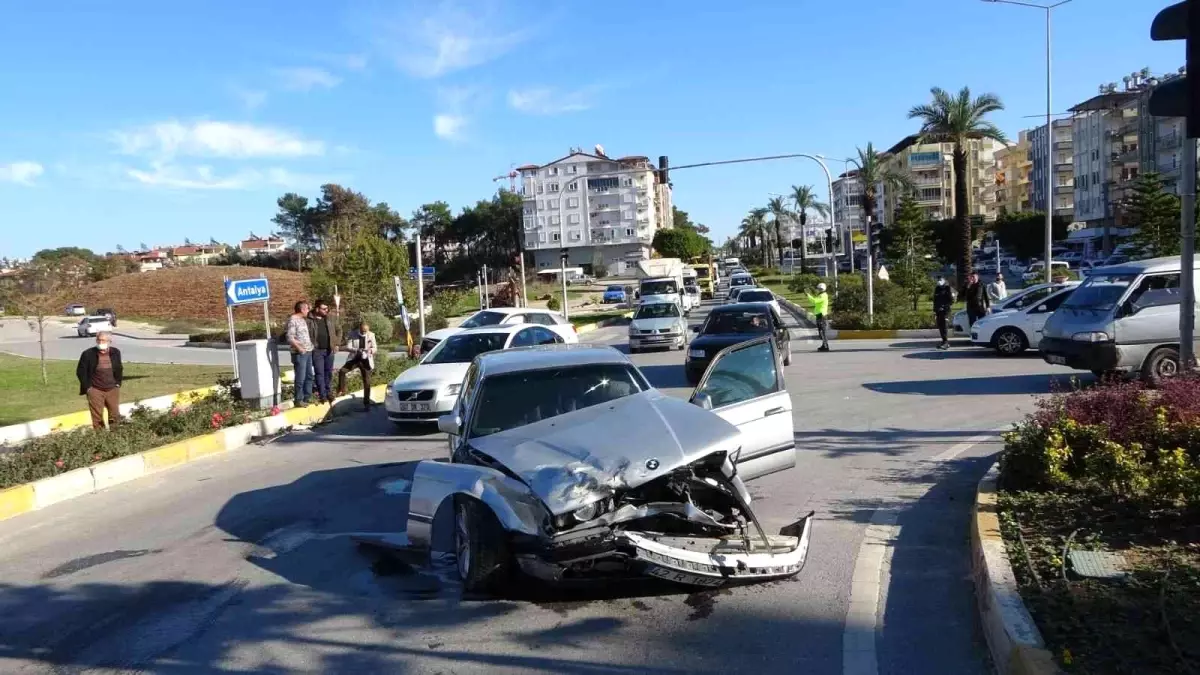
[848, 210]
[1160, 139]
[931, 167]
[603, 212]
[1060, 161]
[1105, 134]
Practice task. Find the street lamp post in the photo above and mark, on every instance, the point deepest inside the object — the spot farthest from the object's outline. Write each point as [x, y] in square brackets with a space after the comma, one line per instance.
[1047, 8]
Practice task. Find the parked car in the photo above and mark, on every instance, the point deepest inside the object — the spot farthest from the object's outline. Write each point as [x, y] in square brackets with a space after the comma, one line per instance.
[76, 310]
[657, 324]
[1123, 319]
[615, 294]
[505, 316]
[730, 324]
[112, 316]
[1011, 333]
[760, 295]
[1023, 298]
[429, 389]
[691, 297]
[1037, 270]
[91, 325]
[565, 464]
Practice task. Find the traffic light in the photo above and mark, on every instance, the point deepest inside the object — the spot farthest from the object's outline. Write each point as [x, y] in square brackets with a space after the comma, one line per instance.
[829, 240]
[1175, 98]
[875, 239]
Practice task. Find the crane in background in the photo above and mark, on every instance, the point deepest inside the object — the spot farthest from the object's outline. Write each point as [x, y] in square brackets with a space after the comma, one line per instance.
[512, 179]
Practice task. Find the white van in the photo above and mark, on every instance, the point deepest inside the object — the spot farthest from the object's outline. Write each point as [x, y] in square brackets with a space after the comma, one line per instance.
[1037, 270]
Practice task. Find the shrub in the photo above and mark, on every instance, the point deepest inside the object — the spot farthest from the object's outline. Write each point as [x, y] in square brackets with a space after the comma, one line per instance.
[554, 304]
[899, 320]
[381, 325]
[852, 296]
[805, 283]
[435, 320]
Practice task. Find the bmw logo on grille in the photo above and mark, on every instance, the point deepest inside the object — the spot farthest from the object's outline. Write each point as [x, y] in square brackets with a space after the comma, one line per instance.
[652, 464]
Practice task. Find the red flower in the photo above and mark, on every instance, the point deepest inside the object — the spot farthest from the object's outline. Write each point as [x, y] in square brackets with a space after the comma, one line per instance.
[59, 463]
[274, 410]
[95, 458]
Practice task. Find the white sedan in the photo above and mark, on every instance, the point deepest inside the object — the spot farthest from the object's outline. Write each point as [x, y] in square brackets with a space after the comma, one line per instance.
[1011, 333]
[1019, 300]
[759, 295]
[92, 325]
[506, 316]
[430, 389]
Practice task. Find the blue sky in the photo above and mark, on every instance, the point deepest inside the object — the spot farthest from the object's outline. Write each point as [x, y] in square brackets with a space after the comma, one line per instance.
[151, 122]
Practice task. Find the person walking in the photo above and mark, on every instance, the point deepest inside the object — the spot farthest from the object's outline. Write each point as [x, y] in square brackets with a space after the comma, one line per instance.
[976, 297]
[362, 347]
[943, 300]
[300, 340]
[997, 290]
[820, 303]
[326, 339]
[100, 375]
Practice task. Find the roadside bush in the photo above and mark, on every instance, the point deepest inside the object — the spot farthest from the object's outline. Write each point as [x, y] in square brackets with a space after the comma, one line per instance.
[381, 326]
[222, 336]
[899, 320]
[806, 283]
[436, 321]
[852, 296]
[554, 304]
[449, 302]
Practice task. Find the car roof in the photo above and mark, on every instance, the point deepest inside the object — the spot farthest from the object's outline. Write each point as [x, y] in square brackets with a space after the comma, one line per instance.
[496, 328]
[741, 307]
[514, 310]
[547, 356]
[1170, 263]
[96, 317]
[748, 289]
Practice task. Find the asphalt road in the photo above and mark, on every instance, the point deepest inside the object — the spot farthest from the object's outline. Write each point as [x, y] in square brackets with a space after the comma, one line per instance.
[244, 563]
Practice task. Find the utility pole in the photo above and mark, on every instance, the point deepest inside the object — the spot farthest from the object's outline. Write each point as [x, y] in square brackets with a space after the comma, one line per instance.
[1187, 308]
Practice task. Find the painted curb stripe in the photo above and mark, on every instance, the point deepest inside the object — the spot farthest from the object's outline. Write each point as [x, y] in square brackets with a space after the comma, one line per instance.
[15, 501]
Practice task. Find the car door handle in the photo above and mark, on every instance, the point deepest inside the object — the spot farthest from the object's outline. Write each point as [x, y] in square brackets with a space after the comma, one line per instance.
[774, 411]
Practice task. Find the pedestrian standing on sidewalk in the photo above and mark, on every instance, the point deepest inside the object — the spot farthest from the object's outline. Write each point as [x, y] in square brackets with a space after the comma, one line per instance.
[997, 290]
[820, 303]
[326, 339]
[300, 340]
[943, 300]
[976, 297]
[100, 374]
[362, 347]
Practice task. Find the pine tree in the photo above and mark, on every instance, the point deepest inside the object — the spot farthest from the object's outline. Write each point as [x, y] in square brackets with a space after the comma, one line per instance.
[909, 248]
[1155, 214]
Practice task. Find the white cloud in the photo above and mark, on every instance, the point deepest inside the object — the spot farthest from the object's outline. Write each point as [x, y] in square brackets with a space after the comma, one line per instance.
[203, 177]
[449, 127]
[306, 78]
[447, 39]
[214, 139]
[548, 101]
[22, 173]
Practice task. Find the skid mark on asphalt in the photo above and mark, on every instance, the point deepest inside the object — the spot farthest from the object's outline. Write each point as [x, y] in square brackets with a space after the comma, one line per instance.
[89, 561]
[861, 631]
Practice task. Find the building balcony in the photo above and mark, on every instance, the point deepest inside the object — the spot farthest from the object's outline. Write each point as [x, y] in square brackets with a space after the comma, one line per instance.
[1168, 142]
[1064, 145]
[1068, 212]
[1064, 189]
[1065, 167]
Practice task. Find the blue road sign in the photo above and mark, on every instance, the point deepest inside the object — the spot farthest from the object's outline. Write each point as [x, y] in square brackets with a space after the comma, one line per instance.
[246, 291]
[425, 272]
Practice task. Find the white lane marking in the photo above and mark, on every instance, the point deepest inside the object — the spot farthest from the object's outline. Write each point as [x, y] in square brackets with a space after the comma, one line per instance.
[872, 572]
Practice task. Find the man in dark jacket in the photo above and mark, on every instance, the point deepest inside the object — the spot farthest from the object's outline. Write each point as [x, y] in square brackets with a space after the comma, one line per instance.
[100, 374]
[976, 297]
[943, 300]
[326, 341]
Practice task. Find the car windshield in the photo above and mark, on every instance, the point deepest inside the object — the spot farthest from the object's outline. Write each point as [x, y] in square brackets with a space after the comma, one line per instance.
[483, 319]
[462, 348]
[755, 296]
[702, 272]
[659, 288]
[692, 290]
[658, 310]
[742, 321]
[614, 289]
[514, 400]
[1100, 292]
[739, 281]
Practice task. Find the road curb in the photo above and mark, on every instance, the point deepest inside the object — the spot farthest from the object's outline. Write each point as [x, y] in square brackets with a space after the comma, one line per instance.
[39, 494]
[589, 327]
[1013, 639]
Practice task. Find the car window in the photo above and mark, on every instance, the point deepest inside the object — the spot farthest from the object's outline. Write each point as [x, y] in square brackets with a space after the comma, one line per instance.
[484, 318]
[755, 296]
[512, 400]
[1030, 298]
[743, 374]
[657, 310]
[513, 319]
[659, 288]
[741, 321]
[470, 380]
[524, 338]
[615, 289]
[542, 336]
[463, 348]
[1159, 290]
[1052, 304]
[540, 318]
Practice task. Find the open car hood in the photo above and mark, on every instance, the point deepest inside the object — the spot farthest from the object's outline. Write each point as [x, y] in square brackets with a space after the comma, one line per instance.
[572, 460]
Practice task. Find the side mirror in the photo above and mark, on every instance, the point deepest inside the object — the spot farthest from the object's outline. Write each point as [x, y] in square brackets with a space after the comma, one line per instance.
[703, 400]
[695, 329]
[637, 294]
[449, 423]
[1041, 308]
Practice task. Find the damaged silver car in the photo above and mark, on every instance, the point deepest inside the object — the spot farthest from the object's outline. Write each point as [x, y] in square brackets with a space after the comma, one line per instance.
[565, 464]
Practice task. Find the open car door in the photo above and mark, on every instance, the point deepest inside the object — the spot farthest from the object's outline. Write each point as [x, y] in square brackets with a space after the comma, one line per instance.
[744, 384]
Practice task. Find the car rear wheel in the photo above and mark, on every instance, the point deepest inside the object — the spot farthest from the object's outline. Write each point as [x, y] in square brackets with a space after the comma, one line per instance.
[480, 546]
[1010, 342]
[1161, 364]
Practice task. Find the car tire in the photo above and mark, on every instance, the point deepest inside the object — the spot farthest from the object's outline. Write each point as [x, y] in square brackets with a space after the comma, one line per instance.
[1161, 364]
[787, 358]
[1010, 342]
[480, 546]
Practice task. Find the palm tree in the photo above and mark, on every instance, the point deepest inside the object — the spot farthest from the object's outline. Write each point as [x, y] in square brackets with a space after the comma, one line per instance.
[804, 201]
[958, 120]
[758, 216]
[778, 212]
[754, 228]
[873, 171]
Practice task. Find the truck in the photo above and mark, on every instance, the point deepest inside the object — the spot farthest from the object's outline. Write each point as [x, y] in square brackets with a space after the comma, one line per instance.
[660, 280]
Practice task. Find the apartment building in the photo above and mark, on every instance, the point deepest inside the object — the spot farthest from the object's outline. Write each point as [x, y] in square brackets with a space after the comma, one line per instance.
[1060, 163]
[931, 166]
[1160, 139]
[848, 210]
[1013, 172]
[256, 245]
[602, 212]
[1105, 134]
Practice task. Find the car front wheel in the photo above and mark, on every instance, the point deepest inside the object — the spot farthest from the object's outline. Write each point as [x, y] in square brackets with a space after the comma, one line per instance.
[480, 547]
[1010, 342]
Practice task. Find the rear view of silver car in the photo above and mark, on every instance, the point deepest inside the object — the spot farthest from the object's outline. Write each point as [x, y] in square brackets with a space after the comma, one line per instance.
[566, 465]
[1123, 319]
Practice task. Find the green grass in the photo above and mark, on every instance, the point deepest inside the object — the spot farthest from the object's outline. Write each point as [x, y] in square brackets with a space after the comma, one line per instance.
[23, 397]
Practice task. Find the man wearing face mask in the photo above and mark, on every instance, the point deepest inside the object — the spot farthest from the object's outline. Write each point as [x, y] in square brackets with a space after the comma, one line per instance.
[943, 300]
[100, 375]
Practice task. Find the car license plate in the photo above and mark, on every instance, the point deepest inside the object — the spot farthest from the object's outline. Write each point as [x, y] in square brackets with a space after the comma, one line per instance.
[414, 407]
[1055, 358]
[683, 577]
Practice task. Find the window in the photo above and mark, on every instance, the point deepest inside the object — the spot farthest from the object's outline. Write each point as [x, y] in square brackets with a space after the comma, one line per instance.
[1159, 290]
[574, 169]
[553, 171]
[1053, 303]
[523, 338]
[573, 202]
[576, 236]
[552, 203]
[540, 318]
[629, 232]
[463, 348]
[552, 187]
[572, 186]
[742, 375]
[573, 218]
[603, 184]
[554, 236]
[555, 220]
